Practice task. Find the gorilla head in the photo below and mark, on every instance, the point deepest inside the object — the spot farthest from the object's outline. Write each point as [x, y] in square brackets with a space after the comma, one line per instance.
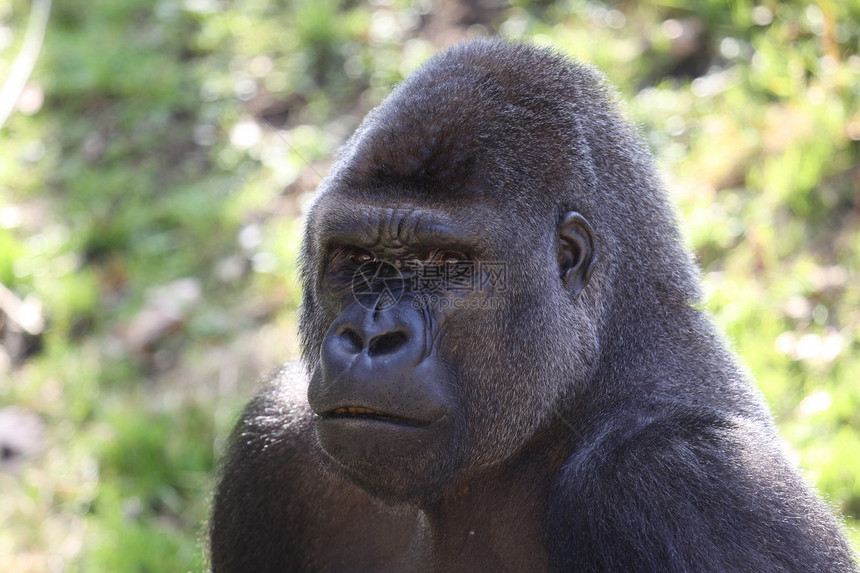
[492, 164]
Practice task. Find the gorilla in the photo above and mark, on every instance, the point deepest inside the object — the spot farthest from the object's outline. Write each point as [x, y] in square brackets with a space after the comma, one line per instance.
[506, 365]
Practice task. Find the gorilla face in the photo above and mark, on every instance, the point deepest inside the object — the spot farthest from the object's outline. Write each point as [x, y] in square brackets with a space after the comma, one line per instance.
[433, 342]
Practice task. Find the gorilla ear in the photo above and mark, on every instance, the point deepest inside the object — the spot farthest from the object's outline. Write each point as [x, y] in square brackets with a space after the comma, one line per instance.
[575, 251]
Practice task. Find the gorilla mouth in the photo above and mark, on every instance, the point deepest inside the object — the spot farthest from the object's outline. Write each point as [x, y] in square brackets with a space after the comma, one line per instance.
[357, 412]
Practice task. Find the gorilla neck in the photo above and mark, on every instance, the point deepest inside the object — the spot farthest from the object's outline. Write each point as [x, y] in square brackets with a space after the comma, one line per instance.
[490, 522]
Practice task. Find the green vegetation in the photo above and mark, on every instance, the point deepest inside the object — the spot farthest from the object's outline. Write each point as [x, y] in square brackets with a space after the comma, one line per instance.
[151, 192]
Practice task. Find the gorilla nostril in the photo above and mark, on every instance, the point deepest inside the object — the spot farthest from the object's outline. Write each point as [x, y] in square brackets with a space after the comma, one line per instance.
[387, 343]
[354, 341]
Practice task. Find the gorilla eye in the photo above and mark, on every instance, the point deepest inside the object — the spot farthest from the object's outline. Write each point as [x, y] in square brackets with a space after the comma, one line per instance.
[444, 256]
[360, 256]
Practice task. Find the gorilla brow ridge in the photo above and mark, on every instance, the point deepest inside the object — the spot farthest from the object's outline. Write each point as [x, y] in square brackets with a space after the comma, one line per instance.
[399, 227]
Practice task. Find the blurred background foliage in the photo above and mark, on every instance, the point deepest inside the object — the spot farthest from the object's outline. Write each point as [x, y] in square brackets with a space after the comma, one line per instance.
[154, 175]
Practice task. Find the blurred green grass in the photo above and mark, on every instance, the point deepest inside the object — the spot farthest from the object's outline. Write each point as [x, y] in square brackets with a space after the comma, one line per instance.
[153, 181]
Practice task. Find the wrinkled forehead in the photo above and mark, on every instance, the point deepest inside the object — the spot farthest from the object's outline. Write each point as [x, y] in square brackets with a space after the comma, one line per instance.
[402, 213]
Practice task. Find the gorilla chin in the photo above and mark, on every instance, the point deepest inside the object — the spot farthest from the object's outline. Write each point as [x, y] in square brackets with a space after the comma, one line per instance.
[395, 461]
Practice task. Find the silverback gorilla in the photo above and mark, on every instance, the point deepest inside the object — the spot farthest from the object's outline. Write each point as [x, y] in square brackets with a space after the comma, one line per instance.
[505, 362]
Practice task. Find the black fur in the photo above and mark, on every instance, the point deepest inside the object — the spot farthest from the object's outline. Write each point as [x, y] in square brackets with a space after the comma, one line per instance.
[591, 420]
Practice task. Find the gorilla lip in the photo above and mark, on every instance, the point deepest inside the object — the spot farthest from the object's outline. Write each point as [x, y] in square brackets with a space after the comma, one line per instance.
[356, 410]
[352, 412]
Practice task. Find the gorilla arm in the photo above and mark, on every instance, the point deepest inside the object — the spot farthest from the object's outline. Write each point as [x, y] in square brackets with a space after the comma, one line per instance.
[278, 509]
[690, 491]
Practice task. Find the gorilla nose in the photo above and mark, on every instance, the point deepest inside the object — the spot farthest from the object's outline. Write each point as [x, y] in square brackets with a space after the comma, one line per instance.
[390, 342]
[362, 338]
